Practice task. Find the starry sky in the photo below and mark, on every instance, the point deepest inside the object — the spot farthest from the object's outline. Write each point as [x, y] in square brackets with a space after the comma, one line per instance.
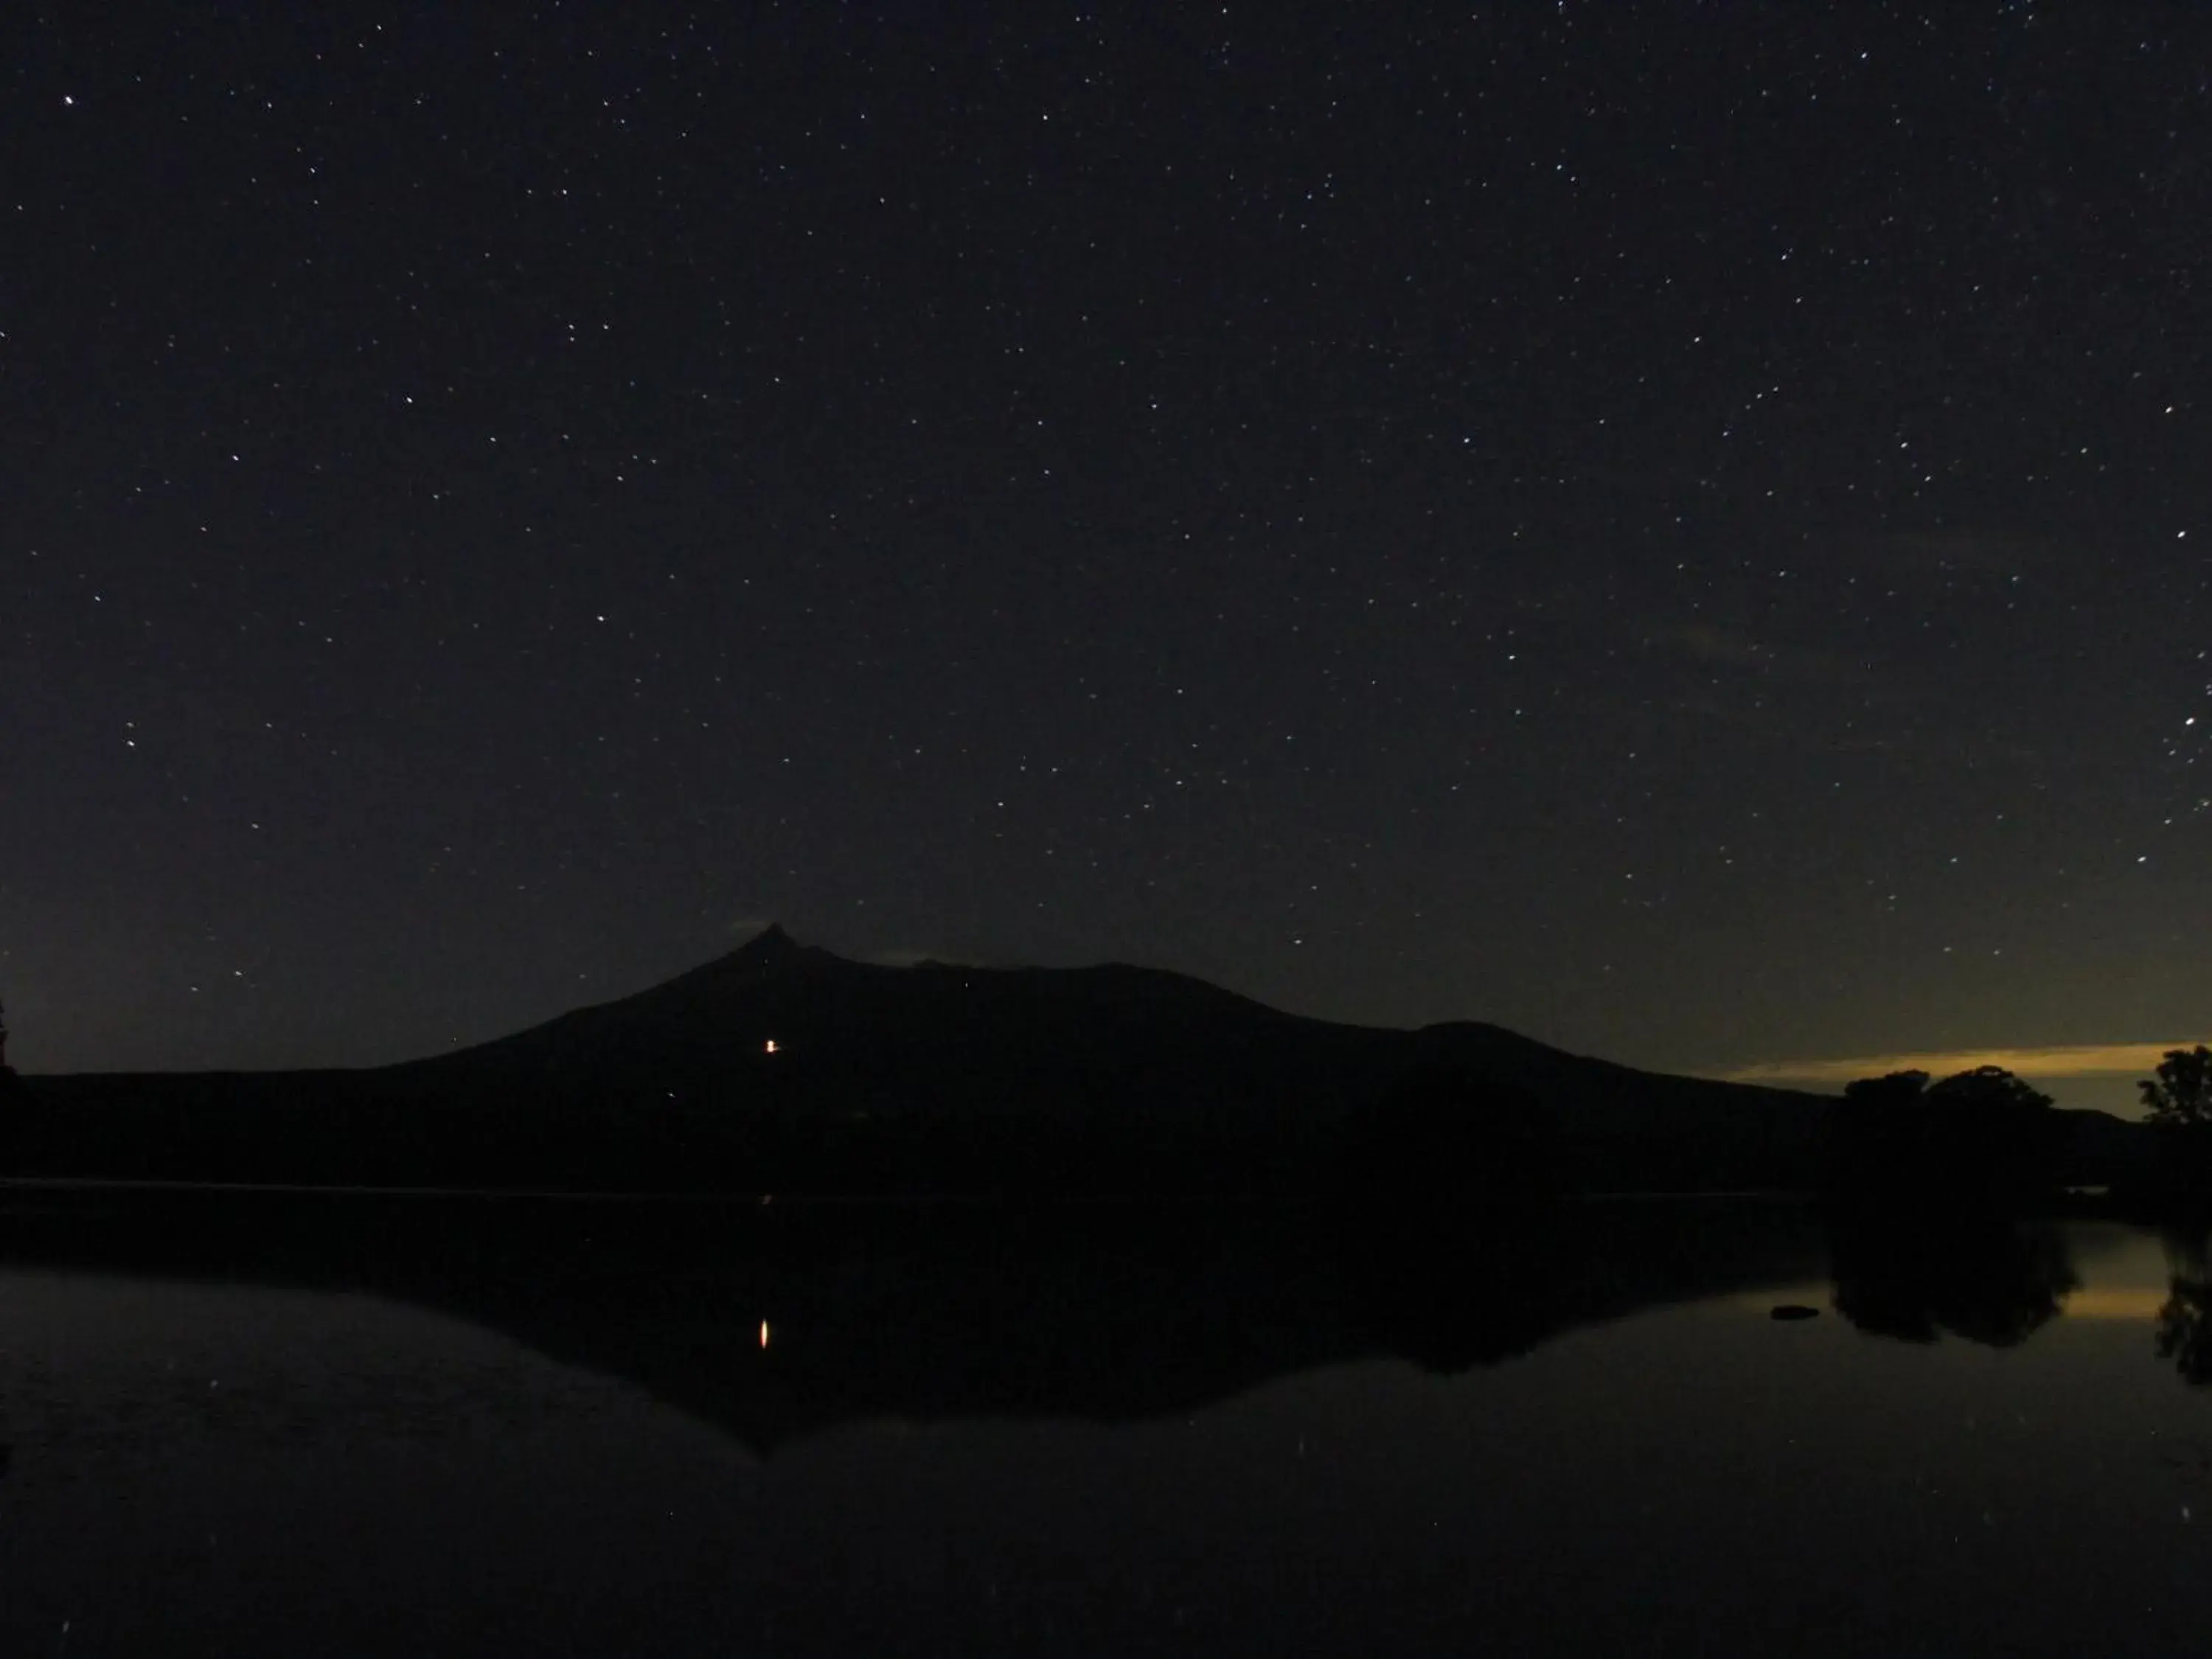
[1678, 529]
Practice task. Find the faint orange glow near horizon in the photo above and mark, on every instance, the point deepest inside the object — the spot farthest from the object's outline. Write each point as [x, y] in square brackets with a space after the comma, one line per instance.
[2123, 1303]
[2080, 1059]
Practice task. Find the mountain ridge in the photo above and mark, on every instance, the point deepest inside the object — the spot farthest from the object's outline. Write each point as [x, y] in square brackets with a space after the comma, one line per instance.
[783, 1066]
[774, 954]
[1126, 1060]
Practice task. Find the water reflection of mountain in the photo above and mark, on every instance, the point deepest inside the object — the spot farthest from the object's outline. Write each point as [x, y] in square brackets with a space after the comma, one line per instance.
[1989, 1281]
[775, 1325]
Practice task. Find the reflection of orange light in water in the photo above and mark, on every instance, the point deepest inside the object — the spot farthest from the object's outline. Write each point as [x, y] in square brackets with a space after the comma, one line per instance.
[2116, 1302]
[764, 1333]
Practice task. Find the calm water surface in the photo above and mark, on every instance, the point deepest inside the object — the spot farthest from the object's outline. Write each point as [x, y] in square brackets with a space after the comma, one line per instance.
[246, 1433]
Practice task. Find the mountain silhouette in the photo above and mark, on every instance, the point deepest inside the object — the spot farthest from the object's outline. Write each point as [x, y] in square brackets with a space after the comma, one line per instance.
[1131, 1067]
[782, 1066]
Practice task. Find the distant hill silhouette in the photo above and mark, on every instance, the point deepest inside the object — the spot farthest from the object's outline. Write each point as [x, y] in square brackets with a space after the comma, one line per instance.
[934, 1078]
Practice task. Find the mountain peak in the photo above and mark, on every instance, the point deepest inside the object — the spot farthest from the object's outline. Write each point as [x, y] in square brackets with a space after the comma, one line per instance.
[770, 948]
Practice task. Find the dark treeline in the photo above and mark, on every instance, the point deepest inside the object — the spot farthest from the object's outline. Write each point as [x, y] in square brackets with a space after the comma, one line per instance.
[1436, 1135]
[2175, 1178]
[1441, 1140]
[1431, 1137]
[1979, 1139]
[1985, 1142]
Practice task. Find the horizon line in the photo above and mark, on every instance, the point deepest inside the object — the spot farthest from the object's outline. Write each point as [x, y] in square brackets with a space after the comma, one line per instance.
[2055, 1060]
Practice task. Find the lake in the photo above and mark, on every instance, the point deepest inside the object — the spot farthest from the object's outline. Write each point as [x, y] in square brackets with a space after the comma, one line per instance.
[245, 1424]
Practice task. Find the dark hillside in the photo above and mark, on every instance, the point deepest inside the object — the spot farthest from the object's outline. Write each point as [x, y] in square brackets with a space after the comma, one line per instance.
[931, 1079]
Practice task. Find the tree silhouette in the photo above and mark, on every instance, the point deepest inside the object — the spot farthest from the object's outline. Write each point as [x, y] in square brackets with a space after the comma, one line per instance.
[2176, 1180]
[5, 1072]
[1982, 1138]
[2180, 1096]
[1891, 1089]
[1989, 1090]
[1872, 1135]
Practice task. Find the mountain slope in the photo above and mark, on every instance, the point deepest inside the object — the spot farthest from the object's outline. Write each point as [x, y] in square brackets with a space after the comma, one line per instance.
[1111, 1050]
[931, 1079]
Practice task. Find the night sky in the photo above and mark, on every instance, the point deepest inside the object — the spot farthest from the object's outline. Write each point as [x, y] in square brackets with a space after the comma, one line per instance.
[1678, 529]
